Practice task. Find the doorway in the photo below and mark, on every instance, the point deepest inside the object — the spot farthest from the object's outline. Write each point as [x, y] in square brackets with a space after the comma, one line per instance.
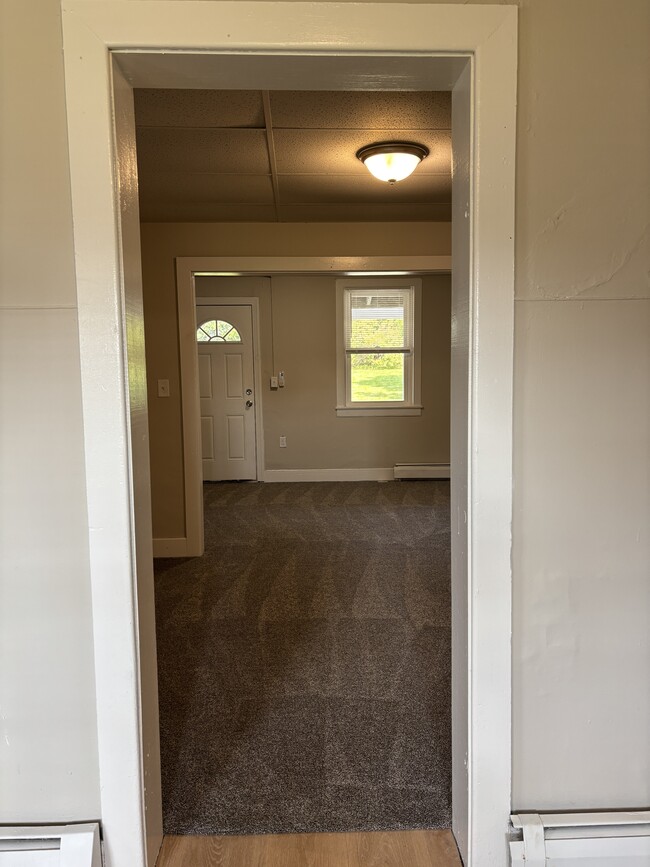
[333, 596]
[226, 365]
[442, 40]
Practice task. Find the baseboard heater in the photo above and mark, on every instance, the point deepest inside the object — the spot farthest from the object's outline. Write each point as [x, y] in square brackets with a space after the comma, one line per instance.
[611, 839]
[421, 471]
[50, 846]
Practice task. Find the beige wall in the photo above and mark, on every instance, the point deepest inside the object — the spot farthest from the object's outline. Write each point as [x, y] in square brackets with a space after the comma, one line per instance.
[48, 735]
[582, 421]
[301, 327]
[162, 242]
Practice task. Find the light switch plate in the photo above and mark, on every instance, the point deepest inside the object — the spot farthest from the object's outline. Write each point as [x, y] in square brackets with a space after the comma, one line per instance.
[163, 388]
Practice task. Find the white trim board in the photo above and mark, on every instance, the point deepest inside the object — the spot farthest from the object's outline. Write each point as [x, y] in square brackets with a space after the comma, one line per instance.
[344, 266]
[361, 474]
[422, 471]
[178, 547]
[470, 50]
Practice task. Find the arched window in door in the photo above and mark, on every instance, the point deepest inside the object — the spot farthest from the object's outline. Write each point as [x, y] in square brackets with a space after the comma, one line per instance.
[217, 331]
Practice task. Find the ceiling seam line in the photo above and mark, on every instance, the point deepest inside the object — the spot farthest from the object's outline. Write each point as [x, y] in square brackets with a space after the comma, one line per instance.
[270, 144]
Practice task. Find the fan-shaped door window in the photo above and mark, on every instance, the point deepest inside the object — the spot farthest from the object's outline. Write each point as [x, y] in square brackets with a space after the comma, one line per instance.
[217, 331]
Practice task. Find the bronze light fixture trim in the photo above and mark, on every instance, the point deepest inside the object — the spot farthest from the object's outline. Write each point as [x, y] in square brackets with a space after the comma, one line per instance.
[392, 161]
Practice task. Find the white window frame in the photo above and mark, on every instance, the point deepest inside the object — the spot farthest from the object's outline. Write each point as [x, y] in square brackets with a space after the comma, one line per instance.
[411, 405]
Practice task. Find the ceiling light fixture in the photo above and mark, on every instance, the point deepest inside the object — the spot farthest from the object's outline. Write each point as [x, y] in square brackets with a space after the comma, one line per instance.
[392, 161]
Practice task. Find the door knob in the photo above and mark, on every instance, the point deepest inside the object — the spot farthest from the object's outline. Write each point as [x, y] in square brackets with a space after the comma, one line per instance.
[249, 403]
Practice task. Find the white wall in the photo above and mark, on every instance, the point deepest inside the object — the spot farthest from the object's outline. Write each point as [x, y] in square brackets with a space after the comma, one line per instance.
[581, 692]
[581, 549]
[48, 749]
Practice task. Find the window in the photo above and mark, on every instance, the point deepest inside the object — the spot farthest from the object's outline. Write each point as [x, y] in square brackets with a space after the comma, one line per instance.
[217, 331]
[378, 359]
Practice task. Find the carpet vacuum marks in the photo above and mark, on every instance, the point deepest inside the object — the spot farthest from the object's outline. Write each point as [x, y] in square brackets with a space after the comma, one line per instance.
[304, 661]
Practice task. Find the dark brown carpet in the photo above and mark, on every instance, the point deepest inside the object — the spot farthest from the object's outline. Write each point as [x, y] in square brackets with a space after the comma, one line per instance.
[305, 661]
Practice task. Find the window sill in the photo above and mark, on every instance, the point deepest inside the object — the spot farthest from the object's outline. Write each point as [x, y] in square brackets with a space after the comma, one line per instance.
[377, 411]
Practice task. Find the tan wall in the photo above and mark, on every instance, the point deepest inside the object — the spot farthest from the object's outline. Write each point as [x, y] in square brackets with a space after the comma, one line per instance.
[582, 421]
[303, 337]
[48, 730]
[162, 242]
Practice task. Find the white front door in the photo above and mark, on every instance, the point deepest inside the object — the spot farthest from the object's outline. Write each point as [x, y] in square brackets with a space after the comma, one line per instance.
[226, 387]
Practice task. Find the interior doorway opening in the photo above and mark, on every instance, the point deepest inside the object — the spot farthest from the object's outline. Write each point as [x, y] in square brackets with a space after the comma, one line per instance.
[338, 617]
[472, 52]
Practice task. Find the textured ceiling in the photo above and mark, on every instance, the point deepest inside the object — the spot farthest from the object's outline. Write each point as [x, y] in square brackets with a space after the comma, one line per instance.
[232, 155]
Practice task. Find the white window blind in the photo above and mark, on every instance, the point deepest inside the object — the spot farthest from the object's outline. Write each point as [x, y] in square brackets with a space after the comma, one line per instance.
[380, 320]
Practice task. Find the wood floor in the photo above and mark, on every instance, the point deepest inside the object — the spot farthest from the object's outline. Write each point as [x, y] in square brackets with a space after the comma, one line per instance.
[360, 849]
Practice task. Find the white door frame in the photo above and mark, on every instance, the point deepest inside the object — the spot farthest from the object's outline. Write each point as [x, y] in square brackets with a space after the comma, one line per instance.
[254, 304]
[471, 50]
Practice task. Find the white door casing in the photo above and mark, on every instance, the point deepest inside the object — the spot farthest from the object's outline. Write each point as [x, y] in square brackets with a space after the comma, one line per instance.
[227, 394]
[320, 45]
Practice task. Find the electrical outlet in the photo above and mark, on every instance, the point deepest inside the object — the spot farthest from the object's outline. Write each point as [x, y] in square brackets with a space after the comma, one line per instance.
[283, 442]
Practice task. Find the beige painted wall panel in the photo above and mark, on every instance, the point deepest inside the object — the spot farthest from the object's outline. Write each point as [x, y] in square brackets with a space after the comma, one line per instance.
[48, 748]
[165, 439]
[581, 555]
[36, 254]
[304, 410]
[294, 239]
[303, 337]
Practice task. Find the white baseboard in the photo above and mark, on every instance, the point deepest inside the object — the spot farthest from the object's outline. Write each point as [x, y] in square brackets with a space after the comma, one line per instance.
[421, 471]
[613, 839]
[170, 547]
[367, 474]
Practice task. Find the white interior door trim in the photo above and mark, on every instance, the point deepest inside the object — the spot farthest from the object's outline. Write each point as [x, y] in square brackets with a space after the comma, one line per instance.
[438, 39]
[339, 265]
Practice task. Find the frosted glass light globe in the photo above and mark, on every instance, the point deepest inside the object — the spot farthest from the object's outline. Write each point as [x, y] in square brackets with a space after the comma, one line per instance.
[393, 161]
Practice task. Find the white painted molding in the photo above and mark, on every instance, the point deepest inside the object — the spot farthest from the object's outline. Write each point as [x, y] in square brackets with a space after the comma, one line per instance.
[367, 474]
[235, 266]
[422, 471]
[171, 547]
[412, 361]
[468, 49]
[78, 845]
[378, 411]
